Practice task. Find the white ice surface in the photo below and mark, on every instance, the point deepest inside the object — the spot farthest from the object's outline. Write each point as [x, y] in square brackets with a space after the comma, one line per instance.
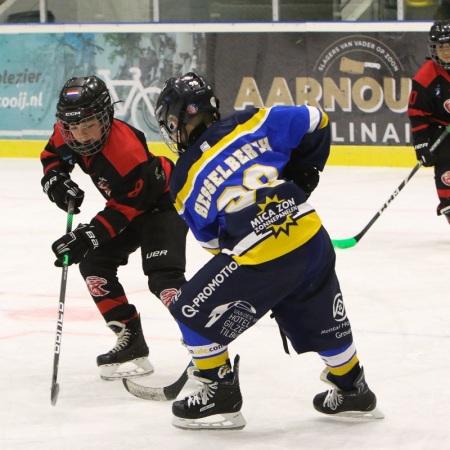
[396, 288]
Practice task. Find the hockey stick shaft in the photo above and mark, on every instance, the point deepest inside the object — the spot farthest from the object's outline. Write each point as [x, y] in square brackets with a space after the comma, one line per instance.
[351, 242]
[59, 323]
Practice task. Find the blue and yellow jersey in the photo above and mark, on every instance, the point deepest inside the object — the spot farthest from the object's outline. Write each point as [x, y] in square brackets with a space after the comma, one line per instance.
[229, 189]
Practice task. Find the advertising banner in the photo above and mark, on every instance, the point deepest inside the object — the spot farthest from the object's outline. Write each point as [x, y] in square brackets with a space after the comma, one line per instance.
[133, 65]
[362, 80]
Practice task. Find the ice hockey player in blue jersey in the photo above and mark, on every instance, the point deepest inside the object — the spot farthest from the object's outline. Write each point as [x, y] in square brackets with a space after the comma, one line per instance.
[242, 184]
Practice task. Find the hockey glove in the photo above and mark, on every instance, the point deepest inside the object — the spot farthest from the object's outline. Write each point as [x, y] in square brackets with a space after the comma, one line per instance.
[77, 244]
[423, 153]
[306, 177]
[60, 189]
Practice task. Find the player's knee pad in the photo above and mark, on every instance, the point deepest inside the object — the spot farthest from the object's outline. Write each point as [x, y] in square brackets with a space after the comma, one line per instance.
[163, 280]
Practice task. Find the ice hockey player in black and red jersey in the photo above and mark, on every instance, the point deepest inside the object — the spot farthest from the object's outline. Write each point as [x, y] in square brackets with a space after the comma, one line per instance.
[429, 111]
[271, 251]
[138, 214]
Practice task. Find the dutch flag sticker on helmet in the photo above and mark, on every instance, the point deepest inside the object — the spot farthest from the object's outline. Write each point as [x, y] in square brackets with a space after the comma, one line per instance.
[73, 93]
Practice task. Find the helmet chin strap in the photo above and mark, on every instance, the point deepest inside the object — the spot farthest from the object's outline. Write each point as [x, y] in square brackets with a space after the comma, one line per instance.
[199, 129]
[195, 134]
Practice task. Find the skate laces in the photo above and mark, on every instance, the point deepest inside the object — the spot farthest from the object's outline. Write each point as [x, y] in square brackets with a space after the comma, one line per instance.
[123, 337]
[205, 391]
[333, 399]
[203, 394]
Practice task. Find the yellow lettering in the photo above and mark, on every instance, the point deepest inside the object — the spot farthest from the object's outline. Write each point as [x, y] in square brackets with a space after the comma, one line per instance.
[333, 94]
[309, 91]
[215, 178]
[367, 103]
[249, 151]
[400, 105]
[248, 95]
[232, 162]
[202, 211]
[239, 155]
[279, 93]
[211, 188]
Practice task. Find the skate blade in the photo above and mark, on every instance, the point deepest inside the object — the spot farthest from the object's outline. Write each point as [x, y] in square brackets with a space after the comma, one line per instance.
[362, 415]
[135, 368]
[230, 421]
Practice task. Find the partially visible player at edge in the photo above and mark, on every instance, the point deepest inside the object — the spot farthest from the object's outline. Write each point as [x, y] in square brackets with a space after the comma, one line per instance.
[429, 111]
[272, 253]
[138, 214]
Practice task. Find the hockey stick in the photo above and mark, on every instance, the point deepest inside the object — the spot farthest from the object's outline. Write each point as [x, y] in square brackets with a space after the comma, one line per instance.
[351, 242]
[62, 298]
[158, 394]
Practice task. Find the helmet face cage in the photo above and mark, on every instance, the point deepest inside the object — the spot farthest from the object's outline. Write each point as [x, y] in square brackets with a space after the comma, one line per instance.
[91, 147]
[168, 113]
[439, 34]
[85, 100]
[181, 100]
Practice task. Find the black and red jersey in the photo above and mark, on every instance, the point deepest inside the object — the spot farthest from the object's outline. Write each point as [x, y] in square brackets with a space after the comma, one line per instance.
[429, 100]
[126, 173]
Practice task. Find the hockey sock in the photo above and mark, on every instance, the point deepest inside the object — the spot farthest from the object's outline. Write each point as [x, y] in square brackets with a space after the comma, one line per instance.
[346, 381]
[205, 353]
[222, 373]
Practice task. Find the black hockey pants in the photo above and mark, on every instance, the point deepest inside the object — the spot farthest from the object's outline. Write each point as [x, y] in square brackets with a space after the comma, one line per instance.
[161, 236]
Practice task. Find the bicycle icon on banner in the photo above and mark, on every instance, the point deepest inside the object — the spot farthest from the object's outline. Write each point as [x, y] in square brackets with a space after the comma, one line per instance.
[139, 100]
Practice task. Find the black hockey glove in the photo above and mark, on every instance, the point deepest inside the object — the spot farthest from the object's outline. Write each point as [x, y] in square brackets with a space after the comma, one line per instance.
[60, 189]
[77, 244]
[423, 153]
[306, 177]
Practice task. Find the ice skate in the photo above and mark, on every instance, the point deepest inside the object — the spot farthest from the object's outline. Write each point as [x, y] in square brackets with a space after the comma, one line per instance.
[216, 405]
[129, 357]
[359, 403]
[446, 213]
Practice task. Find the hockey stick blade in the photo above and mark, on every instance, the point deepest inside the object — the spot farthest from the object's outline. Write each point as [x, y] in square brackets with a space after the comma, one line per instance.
[344, 243]
[351, 242]
[158, 394]
[54, 393]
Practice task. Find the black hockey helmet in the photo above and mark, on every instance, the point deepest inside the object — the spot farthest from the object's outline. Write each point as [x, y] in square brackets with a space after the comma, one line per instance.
[439, 34]
[80, 100]
[182, 100]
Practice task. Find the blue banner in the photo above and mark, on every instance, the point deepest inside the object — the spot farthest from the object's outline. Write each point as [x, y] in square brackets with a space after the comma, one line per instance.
[134, 66]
